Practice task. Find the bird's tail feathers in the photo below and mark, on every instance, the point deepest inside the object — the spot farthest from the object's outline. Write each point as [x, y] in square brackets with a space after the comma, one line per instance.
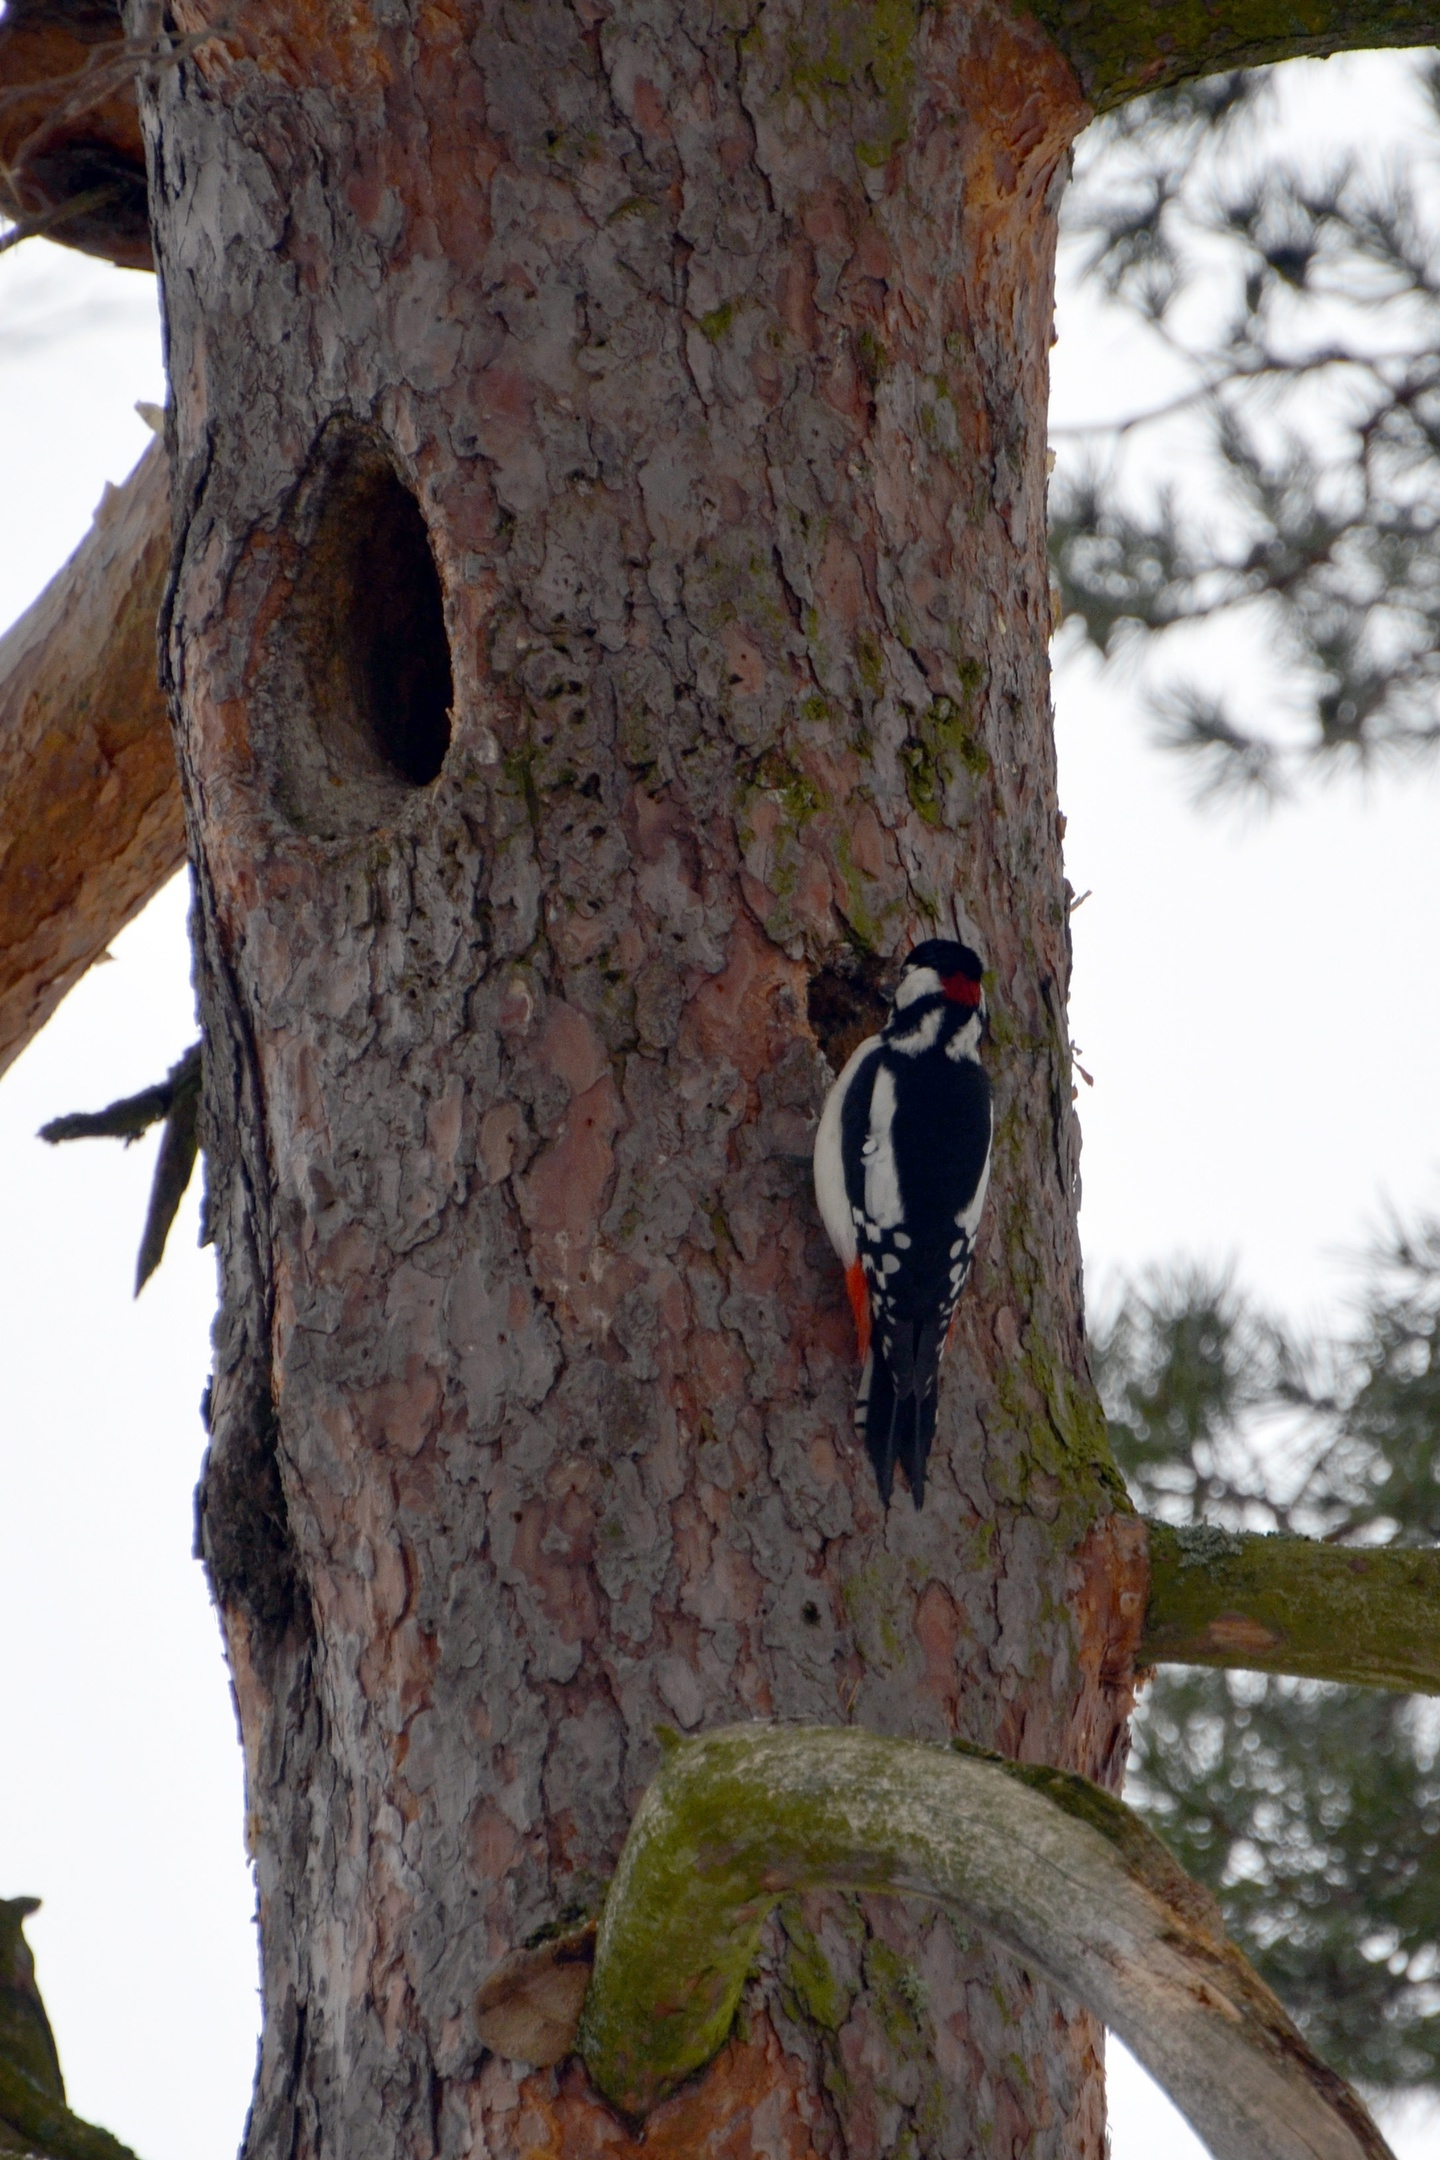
[895, 1406]
[875, 1418]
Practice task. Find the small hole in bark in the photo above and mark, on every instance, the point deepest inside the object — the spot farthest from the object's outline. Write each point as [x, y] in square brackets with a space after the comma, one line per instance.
[846, 1002]
[810, 1613]
[358, 669]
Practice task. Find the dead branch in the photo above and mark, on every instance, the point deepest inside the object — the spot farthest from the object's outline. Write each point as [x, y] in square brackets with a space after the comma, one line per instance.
[90, 819]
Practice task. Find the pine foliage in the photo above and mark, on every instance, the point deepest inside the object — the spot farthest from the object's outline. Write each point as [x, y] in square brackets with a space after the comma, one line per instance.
[1296, 311]
[1313, 1812]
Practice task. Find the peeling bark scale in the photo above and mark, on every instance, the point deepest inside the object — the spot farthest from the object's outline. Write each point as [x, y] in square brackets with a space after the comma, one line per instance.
[609, 624]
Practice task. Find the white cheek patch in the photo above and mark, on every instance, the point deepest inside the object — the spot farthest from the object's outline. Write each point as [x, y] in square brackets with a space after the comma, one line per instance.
[965, 1042]
[882, 1178]
[916, 983]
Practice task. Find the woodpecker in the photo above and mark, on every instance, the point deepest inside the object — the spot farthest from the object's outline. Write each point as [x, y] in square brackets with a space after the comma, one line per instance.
[902, 1160]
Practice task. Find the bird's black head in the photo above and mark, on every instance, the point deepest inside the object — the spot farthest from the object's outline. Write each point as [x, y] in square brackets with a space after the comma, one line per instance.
[941, 968]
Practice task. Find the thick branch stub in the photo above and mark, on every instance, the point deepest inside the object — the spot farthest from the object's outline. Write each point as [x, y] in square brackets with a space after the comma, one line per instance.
[1123, 48]
[1057, 1870]
[1369, 1616]
[90, 818]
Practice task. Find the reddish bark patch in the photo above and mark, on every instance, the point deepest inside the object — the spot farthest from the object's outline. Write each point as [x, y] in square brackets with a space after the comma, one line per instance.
[1111, 1587]
[751, 2101]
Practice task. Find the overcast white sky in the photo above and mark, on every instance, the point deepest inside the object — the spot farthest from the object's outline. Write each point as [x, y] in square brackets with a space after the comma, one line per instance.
[1256, 1002]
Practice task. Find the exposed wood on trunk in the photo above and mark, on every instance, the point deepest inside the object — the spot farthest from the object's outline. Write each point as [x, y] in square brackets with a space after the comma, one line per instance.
[91, 823]
[1363, 1614]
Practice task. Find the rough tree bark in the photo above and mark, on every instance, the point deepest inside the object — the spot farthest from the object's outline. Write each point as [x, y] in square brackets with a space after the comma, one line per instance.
[609, 623]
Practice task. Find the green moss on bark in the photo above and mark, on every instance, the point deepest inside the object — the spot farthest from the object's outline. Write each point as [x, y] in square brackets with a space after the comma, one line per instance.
[1368, 1616]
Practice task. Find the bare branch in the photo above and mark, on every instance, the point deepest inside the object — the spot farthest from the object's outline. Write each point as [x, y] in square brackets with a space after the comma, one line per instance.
[176, 1100]
[90, 819]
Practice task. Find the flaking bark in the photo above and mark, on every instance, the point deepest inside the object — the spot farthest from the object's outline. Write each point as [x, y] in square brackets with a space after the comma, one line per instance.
[609, 626]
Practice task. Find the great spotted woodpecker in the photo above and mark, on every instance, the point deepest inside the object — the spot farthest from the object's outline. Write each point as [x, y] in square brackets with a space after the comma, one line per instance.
[902, 1160]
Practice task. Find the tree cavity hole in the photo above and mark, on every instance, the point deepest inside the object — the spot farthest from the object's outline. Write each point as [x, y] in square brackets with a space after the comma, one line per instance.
[359, 677]
[400, 655]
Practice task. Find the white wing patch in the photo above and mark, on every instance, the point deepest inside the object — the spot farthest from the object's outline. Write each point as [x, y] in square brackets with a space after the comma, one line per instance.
[830, 1196]
[882, 1175]
[968, 1223]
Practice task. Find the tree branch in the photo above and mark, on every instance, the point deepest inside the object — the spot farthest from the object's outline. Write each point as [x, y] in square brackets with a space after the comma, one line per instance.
[1369, 1615]
[1060, 1872]
[1121, 49]
[90, 819]
[176, 1100]
[72, 157]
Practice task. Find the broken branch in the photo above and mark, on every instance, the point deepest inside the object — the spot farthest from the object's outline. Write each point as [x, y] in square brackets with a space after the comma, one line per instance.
[1368, 1615]
[90, 817]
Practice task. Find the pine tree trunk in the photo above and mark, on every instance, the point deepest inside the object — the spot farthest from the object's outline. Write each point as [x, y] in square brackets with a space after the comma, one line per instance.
[702, 353]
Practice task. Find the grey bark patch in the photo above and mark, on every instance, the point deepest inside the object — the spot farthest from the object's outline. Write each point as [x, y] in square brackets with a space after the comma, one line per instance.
[505, 1342]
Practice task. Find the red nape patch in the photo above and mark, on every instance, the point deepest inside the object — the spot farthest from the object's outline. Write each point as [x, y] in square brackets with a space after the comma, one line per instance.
[859, 1304]
[961, 990]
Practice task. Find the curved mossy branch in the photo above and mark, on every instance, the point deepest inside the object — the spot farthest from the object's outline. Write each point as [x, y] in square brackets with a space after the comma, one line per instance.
[1058, 1871]
[1369, 1615]
[1122, 48]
